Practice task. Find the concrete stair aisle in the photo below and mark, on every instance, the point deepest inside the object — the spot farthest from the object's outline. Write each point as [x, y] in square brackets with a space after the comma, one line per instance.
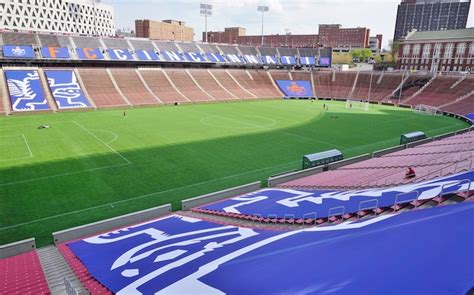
[56, 269]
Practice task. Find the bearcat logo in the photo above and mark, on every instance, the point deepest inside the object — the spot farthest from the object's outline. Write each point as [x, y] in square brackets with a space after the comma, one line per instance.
[294, 88]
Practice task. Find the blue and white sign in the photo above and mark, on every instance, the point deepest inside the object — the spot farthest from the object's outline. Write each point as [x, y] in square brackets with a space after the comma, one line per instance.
[269, 60]
[181, 255]
[147, 55]
[298, 88]
[55, 52]
[172, 56]
[90, 53]
[252, 59]
[307, 61]
[233, 58]
[322, 203]
[18, 51]
[120, 54]
[288, 60]
[214, 57]
[194, 57]
[66, 90]
[26, 92]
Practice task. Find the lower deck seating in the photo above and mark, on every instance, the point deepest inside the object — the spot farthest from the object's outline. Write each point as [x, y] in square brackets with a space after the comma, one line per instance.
[101, 88]
[207, 82]
[462, 107]
[22, 274]
[132, 87]
[431, 160]
[228, 83]
[442, 90]
[186, 85]
[257, 82]
[161, 87]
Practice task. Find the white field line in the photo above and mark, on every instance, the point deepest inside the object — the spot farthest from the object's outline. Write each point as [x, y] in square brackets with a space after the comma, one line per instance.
[63, 174]
[145, 196]
[27, 145]
[101, 141]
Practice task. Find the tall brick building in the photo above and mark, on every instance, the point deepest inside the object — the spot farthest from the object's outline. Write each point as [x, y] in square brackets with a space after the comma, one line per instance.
[430, 15]
[341, 39]
[435, 51]
[164, 30]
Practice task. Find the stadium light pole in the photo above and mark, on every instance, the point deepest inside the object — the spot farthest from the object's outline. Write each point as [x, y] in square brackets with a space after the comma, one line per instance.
[263, 9]
[206, 10]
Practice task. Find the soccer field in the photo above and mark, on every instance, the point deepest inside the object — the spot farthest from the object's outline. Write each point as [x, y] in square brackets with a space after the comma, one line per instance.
[95, 165]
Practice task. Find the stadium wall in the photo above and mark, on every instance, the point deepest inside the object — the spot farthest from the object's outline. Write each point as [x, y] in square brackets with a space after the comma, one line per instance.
[17, 248]
[212, 197]
[110, 224]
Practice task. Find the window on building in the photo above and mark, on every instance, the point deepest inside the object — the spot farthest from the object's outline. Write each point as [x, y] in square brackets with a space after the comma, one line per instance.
[406, 50]
[448, 50]
[437, 50]
[461, 48]
[426, 50]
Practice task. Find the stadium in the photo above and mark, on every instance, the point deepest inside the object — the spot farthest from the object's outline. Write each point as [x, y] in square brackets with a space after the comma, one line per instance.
[142, 166]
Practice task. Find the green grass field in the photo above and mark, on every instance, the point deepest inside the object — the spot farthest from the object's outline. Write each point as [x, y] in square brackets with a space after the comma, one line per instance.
[96, 165]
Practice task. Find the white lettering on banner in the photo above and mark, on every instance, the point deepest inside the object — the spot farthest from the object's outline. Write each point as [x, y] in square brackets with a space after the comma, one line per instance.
[251, 59]
[246, 200]
[120, 54]
[173, 56]
[269, 59]
[233, 58]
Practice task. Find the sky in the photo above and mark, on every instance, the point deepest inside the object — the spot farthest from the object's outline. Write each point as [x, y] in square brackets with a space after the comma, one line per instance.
[295, 16]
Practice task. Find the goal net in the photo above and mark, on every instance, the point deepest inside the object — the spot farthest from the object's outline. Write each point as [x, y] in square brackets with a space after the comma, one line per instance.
[357, 104]
[427, 110]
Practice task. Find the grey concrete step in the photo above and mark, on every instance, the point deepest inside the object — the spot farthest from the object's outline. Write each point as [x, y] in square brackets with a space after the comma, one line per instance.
[56, 269]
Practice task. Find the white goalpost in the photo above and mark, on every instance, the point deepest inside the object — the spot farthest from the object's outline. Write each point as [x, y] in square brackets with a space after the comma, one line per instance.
[427, 110]
[357, 104]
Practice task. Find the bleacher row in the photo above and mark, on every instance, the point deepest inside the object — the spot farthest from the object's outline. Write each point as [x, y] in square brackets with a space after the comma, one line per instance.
[123, 87]
[430, 160]
[17, 45]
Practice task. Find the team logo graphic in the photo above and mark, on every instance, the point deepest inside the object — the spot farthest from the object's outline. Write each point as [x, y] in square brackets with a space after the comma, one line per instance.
[66, 89]
[295, 89]
[26, 94]
[20, 52]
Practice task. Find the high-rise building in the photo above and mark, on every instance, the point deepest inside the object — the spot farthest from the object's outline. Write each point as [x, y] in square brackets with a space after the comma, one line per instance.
[171, 30]
[89, 17]
[430, 15]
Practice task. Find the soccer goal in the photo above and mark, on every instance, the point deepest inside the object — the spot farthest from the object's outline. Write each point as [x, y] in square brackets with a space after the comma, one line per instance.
[427, 110]
[357, 104]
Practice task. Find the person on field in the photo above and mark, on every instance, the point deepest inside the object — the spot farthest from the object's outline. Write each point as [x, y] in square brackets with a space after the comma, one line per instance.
[410, 173]
[124, 114]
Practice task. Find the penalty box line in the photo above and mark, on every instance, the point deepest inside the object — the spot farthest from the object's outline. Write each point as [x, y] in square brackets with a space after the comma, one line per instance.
[127, 161]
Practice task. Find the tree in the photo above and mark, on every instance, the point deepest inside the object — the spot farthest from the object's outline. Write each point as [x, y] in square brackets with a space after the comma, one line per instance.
[341, 58]
[365, 54]
[394, 46]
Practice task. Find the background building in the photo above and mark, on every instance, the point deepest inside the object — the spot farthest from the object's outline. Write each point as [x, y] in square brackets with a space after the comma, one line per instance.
[430, 15]
[58, 16]
[164, 30]
[436, 51]
[340, 39]
[375, 44]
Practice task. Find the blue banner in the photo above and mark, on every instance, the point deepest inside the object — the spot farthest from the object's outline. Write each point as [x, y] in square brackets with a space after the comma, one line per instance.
[120, 54]
[214, 57]
[18, 51]
[182, 255]
[470, 116]
[26, 91]
[325, 61]
[233, 58]
[55, 52]
[307, 61]
[145, 55]
[252, 59]
[194, 57]
[288, 60]
[66, 90]
[269, 60]
[298, 88]
[90, 53]
[172, 56]
[299, 203]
